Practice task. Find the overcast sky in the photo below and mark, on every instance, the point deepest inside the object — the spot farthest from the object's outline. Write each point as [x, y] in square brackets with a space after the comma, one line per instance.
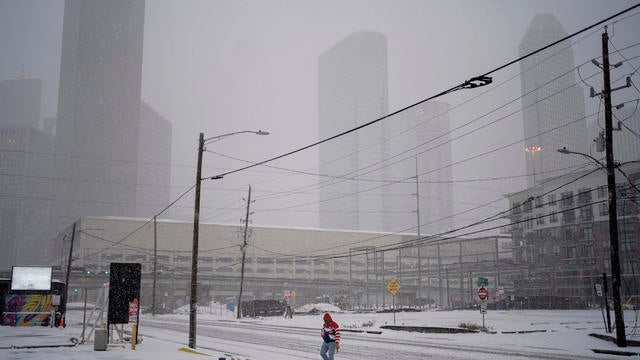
[223, 66]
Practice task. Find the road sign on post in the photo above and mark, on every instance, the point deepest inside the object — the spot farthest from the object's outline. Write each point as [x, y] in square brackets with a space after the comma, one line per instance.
[483, 281]
[393, 286]
[482, 293]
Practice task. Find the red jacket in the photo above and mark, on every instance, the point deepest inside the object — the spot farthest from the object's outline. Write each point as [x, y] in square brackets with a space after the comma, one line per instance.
[330, 331]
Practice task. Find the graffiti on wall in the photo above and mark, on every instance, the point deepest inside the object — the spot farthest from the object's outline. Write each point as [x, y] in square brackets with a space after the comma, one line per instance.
[20, 310]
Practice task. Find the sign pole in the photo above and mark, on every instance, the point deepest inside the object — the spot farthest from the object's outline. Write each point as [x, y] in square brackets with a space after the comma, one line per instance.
[394, 309]
[393, 286]
[482, 295]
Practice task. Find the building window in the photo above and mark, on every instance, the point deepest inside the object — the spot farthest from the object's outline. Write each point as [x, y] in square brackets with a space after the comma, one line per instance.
[568, 216]
[587, 250]
[587, 233]
[630, 266]
[539, 201]
[586, 213]
[566, 198]
[603, 209]
[625, 228]
[553, 217]
[556, 250]
[603, 192]
[528, 222]
[571, 252]
[540, 219]
[551, 199]
[527, 206]
[568, 234]
[516, 208]
[625, 207]
[584, 196]
[628, 245]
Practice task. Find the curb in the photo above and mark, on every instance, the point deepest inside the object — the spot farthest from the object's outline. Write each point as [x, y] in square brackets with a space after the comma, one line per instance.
[192, 351]
[429, 329]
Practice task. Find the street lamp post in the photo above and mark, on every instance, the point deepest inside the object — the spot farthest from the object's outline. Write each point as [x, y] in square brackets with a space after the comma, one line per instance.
[533, 150]
[196, 229]
[613, 238]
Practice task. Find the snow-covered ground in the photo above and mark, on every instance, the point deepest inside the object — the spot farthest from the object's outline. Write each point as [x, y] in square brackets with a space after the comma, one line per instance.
[561, 333]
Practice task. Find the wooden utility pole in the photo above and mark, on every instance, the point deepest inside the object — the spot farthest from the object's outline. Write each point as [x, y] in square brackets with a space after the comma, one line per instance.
[244, 253]
[611, 183]
[193, 308]
[66, 283]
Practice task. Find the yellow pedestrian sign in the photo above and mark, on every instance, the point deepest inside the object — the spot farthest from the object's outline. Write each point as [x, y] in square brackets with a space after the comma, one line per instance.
[393, 286]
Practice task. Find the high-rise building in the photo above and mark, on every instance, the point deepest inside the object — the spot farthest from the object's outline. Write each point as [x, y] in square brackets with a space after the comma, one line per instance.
[154, 155]
[553, 102]
[25, 169]
[352, 91]
[98, 122]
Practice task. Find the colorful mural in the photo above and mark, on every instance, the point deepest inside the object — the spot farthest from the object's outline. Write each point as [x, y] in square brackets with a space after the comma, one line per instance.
[19, 310]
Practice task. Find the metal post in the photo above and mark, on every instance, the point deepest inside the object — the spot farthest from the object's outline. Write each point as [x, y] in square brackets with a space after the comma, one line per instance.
[194, 253]
[418, 221]
[611, 183]
[155, 266]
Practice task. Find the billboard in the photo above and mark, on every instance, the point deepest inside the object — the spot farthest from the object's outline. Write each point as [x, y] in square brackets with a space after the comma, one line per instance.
[124, 288]
[31, 278]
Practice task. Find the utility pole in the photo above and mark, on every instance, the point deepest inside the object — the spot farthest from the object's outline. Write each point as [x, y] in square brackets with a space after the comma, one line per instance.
[621, 340]
[418, 218]
[194, 253]
[244, 253]
[66, 284]
[155, 266]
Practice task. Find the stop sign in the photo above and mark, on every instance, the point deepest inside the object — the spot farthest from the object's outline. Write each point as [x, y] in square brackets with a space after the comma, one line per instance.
[482, 293]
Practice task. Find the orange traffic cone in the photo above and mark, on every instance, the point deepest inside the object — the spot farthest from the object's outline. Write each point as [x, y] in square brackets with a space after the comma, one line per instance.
[61, 321]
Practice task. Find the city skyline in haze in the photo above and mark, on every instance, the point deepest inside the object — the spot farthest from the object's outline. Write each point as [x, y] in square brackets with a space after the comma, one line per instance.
[229, 66]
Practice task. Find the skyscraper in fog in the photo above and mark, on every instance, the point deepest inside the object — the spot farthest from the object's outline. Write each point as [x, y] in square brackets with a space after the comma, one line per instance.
[374, 188]
[25, 165]
[154, 156]
[553, 103]
[98, 132]
[353, 90]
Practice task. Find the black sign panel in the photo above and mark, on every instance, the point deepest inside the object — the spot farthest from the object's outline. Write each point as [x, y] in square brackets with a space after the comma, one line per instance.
[124, 287]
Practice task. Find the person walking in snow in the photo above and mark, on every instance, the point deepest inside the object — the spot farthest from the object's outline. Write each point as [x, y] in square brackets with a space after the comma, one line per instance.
[331, 338]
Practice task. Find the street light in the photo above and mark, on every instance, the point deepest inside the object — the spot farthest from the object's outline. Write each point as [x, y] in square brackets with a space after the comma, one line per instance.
[196, 229]
[564, 150]
[613, 239]
[533, 150]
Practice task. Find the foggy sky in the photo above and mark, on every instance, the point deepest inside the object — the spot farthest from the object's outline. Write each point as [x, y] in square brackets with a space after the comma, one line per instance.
[223, 66]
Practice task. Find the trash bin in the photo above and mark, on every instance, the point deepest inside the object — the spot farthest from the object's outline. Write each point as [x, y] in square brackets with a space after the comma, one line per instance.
[100, 340]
